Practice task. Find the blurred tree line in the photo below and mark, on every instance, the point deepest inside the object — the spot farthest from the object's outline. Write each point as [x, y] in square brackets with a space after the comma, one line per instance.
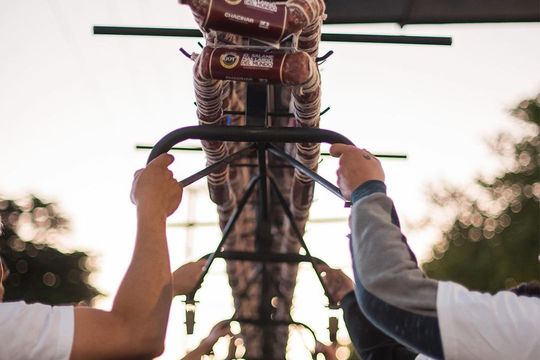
[38, 271]
[494, 241]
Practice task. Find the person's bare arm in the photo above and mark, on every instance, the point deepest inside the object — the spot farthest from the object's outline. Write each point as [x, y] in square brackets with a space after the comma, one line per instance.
[136, 325]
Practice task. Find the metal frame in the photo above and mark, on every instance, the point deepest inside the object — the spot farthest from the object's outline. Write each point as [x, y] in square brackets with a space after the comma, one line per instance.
[356, 38]
[262, 142]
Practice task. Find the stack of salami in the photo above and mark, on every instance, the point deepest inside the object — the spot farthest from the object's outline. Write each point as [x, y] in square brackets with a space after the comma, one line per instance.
[220, 74]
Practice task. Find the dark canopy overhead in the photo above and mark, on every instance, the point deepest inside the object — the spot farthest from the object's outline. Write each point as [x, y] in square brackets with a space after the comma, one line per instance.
[431, 11]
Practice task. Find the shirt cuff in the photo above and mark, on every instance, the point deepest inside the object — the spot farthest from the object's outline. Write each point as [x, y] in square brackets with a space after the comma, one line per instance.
[368, 188]
[348, 299]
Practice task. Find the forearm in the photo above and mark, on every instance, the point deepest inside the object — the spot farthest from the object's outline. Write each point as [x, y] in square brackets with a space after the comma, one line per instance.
[392, 292]
[145, 294]
[370, 342]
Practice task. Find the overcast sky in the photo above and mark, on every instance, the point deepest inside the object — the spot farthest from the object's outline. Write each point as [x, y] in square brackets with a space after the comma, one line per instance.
[74, 105]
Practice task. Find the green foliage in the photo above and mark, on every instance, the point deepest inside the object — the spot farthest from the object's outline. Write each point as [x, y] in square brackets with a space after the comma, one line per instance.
[494, 241]
[38, 271]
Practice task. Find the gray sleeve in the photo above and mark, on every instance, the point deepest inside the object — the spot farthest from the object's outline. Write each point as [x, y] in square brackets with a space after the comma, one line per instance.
[385, 266]
[390, 288]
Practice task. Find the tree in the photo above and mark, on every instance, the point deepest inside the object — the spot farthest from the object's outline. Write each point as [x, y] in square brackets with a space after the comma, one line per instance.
[494, 240]
[38, 271]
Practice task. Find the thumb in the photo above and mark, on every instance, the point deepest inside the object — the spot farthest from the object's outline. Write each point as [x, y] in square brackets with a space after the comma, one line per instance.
[337, 149]
[162, 160]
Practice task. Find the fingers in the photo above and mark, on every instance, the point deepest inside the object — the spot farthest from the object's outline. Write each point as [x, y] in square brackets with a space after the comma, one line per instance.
[162, 160]
[336, 150]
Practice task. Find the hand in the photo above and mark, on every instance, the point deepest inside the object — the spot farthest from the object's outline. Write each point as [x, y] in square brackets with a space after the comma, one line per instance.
[329, 351]
[186, 276]
[337, 283]
[154, 190]
[222, 328]
[356, 166]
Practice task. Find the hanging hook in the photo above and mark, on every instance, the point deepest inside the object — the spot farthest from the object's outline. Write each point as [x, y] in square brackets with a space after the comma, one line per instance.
[186, 54]
[322, 59]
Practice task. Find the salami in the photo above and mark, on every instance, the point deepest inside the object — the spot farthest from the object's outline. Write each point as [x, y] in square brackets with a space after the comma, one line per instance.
[276, 67]
[257, 19]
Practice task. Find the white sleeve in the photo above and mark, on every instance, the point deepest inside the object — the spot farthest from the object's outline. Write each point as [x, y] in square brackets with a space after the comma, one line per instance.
[422, 357]
[482, 326]
[36, 331]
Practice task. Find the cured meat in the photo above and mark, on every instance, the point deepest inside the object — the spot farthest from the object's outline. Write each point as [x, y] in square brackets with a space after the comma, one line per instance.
[257, 19]
[294, 86]
[275, 66]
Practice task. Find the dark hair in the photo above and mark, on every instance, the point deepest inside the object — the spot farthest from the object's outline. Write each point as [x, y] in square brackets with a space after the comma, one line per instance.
[531, 288]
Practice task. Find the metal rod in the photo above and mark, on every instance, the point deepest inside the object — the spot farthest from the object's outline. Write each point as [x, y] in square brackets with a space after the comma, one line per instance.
[146, 31]
[216, 166]
[176, 148]
[180, 148]
[358, 38]
[246, 134]
[388, 39]
[226, 231]
[382, 156]
[214, 223]
[297, 232]
[293, 258]
[242, 113]
[308, 172]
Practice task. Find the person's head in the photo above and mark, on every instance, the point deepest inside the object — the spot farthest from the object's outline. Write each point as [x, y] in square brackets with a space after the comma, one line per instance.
[531, 288]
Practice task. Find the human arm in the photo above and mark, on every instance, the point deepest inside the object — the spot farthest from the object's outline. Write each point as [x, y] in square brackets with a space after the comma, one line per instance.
[390, 288]
[135, 327]
[369, 341]
[205, 347]
[424, 314]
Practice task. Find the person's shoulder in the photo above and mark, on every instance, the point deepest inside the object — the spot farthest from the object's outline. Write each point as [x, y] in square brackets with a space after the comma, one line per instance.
[16, 309]
[7, 307]
[453, 293]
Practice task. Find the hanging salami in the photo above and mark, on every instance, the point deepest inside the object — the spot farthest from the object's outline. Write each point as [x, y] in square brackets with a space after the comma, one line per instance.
[258, 19]
[275, 67]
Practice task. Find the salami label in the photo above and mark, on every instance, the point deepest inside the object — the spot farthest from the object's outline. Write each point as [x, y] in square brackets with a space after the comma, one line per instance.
[259, 19]
[247, 65]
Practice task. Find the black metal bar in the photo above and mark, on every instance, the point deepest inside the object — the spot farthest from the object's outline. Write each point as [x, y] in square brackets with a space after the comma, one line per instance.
[297, 232]
[146, 31]
[387, 39]
[176, 148]
[255, 165]
[256, 104]
[359, 38]
[292, 258]
[382, 156]
[307, 171]
[263, 243]
[216, 166]
[227, 230]
[270, 113]
[195, 148]
[246, 134]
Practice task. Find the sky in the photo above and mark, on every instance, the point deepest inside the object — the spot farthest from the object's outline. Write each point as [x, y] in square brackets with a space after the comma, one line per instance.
[74, 105]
